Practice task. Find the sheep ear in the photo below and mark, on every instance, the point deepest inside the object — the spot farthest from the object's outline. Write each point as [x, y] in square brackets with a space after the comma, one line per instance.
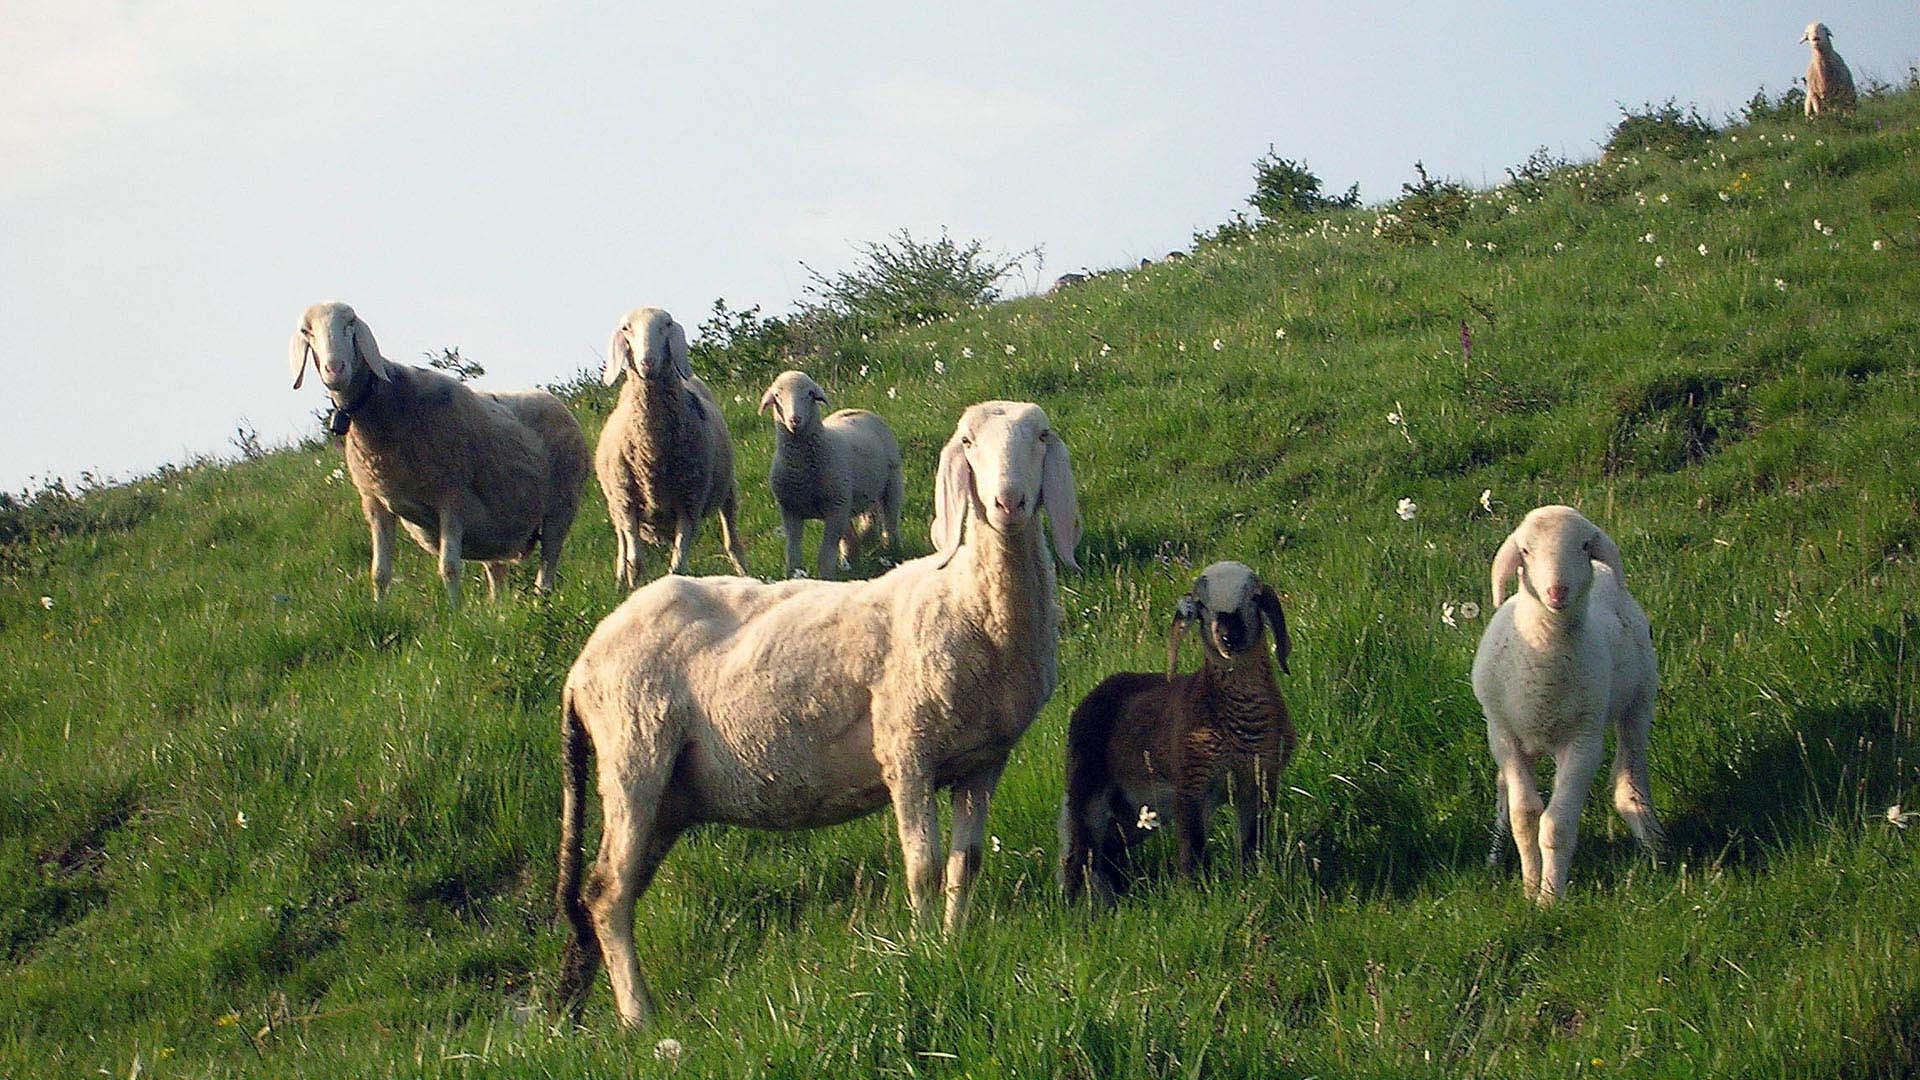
[1277, 622]
[952, 498]
[369, 350]
[1607, 553]
[768, 399]
[297, 358]
[1505, 565]
[619, 357]
[1183, 615]
[677, 351]
[1060, 500]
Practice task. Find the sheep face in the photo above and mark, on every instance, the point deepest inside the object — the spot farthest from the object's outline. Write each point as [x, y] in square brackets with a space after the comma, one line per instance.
[1004, 464]
[1817, 35]
[1553, 551]
[1229, 602]
[796, 401]
[339, 345]
[650, 344]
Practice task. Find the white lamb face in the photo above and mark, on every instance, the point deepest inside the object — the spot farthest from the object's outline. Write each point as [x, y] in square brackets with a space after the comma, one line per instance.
[1556, 556]
[1005, 446]
[1817, 34]
[796, 401]
[338, 344]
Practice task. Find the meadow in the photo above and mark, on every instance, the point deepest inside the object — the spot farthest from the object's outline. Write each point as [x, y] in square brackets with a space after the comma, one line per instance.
[254, 824]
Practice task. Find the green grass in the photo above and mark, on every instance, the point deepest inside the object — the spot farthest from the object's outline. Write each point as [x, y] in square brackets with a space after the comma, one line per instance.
[383, 907]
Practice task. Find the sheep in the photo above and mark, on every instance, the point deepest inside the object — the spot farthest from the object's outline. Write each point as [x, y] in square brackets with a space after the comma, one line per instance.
[665, 458]
[1569, 656]
[1173, 741]
[833, 470]
[469, 475]
[1829, 83]
[1068, 281]
[803, 703]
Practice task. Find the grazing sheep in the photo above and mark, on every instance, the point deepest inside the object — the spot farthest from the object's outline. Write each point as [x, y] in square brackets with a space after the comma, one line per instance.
[1829, 83]
[1068, 281]
[470, 475]
[842, 471]
[799, 704]
[1570, 656]
[1173, 741]
[665, 458]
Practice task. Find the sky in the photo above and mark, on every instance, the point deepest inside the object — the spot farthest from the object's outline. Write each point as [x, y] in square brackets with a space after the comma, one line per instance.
[178, 181]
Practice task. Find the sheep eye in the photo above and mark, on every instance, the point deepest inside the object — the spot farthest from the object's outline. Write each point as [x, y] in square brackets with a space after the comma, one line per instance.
[966, 441]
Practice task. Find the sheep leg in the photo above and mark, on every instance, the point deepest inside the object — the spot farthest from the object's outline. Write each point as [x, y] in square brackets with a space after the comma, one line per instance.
[620, 556]
[795, 528]
[553, 534]
[381, 521]
[890, 513]
[633, 842]
[686, 531]
[850, 545]
[832, 531]
[971, 799]
[1252, 806]
[1520, 793]
[497, 572]
[1502, 825]
[450, 556]
[1632, 793]
[730, 535]
[1190, 831]
[1575, 764]
[918, 819]
[633, 559]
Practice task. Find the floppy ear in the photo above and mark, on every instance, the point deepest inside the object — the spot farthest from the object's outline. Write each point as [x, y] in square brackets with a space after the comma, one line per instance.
[1606, 552]
[769, 399]
[1505, 565]
[1184, 612]
[1269, 602]
[1062, 504]
[619, 357]
[677, 351]
[369, 350]
[297, 351]
[952, 498]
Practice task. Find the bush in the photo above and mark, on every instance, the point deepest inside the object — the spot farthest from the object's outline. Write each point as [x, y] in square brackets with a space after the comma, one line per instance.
[1425, 211]
[1660, 128]
[906, 282]
[1788, 106]
[1283, 189]
[742, 343]
[1530, 177]
[1237, 230]
[450, 361]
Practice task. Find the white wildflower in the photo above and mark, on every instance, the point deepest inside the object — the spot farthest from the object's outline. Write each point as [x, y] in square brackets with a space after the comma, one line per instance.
[336, 476]
[1659, 261]
[1898, 818]
[1879, 245]
[1663, 196]
[1280, 333]
[892, 392]
[668, 1050]
[1218, 345]
[939, 367]
[1647, 239]
[1724, 197]
[966, 352]
[1781, 615]
[1817, 226]
[1486, 499]
[863, 373]
[1786, 185]
[1702, 249]
[1105, 348]
[1469, 610]
[1780, 284]
[1558, 246]
[1446, 614]
[1394, 417]
[739, 399]
[994, 843]
[240, 818]
[47, 602]
[1183, 346]
[1011, 350]
[1149, 820]
[1407, 509]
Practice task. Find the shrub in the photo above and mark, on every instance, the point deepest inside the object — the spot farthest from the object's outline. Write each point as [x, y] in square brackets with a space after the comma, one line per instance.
[1788, 106]
[742, 343]
[1283, 189]
[905, 282]
[1425, 211]
[1530, 177]
[1237, 230]
[1662, 128]
[450, 361]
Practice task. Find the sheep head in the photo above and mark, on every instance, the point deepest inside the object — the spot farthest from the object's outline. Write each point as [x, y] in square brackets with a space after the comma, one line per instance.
[339, 345]
[1817, 35]
[649, 344]
[1003, 465]
[1553, 551]
[1229, 602]
[796, 401]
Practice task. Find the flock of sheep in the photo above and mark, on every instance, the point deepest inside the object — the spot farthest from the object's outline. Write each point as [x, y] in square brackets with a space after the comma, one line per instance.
[806, 701]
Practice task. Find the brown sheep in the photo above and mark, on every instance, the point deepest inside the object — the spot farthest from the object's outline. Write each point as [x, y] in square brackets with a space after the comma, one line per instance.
[1139, 742]
[1829, 83]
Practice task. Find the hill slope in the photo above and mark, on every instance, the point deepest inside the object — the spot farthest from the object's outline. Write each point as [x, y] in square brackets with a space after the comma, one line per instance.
[252, 824]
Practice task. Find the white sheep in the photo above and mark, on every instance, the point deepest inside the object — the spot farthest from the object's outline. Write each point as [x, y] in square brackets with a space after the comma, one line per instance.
[665, 459]
[469, 475]
[1829, 83]
[842, 471]
[798, 704]
[1570, 656]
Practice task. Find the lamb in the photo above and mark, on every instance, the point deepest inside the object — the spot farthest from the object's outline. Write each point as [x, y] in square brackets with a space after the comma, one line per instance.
[834, 471]
[1570, 656]
[800, 704]
[483, 476]
[1174, 741]
[1829, 83]
[665, 458]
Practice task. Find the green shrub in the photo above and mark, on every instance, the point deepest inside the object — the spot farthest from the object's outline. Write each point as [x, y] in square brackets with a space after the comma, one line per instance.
[1661, 128]
[1284, 189]
[1425, 211]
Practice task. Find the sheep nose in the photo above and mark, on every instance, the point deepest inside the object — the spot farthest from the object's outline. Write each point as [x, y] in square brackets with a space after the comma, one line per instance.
[1010, 504]
[1557, 595]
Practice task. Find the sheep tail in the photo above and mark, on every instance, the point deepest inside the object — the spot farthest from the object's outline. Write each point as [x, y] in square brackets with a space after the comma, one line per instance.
[582, 955]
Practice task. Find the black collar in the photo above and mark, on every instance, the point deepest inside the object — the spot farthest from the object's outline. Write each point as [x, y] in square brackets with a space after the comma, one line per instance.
[342, 416]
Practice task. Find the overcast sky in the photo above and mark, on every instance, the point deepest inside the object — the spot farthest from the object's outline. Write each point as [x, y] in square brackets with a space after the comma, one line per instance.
[178, 181]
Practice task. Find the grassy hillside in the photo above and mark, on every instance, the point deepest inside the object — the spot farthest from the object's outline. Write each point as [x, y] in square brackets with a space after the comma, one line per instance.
[252, 824]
